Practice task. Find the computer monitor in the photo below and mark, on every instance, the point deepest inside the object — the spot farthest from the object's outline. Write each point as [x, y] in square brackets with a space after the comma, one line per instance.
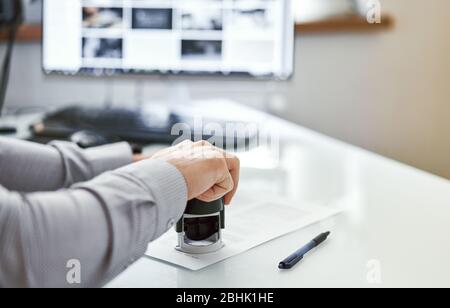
[226, 37]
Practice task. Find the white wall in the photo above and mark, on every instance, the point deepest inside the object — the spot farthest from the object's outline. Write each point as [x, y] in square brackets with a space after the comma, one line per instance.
[387, 92]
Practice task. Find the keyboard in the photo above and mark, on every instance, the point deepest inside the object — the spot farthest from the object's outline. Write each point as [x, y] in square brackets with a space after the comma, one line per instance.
[134, 125]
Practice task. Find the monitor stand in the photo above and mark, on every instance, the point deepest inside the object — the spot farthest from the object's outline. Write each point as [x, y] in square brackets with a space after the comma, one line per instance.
[179, 93]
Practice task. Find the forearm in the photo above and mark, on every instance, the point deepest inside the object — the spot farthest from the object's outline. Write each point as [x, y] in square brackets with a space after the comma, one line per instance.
[30, 167]
[106, 224]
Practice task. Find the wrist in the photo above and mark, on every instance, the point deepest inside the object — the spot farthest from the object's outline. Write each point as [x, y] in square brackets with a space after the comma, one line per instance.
[138, 158]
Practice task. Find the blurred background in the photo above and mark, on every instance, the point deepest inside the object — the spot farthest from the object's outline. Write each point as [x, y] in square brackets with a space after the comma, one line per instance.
[384, 87]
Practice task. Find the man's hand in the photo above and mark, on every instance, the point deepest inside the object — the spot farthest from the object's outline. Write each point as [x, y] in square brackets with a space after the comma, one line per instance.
[210, 172]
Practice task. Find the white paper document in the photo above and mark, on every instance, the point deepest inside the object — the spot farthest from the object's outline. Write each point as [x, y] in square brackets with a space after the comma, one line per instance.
[246, 227]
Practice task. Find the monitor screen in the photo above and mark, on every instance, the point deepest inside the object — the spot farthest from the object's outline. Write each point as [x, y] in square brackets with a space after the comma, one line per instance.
[228, 37]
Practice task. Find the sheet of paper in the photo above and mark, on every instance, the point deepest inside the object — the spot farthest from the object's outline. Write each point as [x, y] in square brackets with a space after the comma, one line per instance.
[246, 227]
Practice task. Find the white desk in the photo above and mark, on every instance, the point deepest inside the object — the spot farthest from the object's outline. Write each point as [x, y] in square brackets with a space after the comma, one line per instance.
[395, 214]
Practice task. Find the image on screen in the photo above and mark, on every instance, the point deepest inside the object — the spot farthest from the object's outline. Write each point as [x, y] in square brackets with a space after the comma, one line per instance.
[245, 37]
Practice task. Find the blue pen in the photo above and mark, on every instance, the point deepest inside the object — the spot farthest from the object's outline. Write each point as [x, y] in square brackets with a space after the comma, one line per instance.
[293, 259]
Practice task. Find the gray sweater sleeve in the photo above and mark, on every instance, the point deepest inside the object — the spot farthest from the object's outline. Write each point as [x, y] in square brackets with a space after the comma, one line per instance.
[30, 167]
[103, 225]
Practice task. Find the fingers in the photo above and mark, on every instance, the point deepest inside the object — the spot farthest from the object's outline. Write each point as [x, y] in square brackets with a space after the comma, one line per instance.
[222, 167]
[232, 172]
[234, 167]
[219, 190]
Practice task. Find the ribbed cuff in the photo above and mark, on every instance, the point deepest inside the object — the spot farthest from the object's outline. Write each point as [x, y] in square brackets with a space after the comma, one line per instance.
[168, 187]
[109, 157]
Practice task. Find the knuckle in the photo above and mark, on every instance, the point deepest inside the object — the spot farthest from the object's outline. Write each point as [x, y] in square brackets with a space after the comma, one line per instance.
[232, 156]
[238, 160]
[202, 143]
[185, 143]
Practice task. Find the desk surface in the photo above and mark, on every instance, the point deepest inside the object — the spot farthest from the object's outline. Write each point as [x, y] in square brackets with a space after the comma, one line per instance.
[395, 231]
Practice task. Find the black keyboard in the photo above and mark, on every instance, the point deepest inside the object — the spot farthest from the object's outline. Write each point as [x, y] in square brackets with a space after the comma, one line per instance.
[134, 125]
